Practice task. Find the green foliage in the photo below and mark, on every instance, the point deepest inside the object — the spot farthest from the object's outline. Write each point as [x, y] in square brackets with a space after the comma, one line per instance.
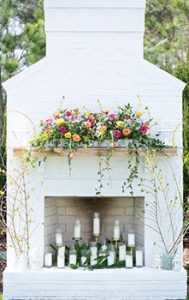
[167, 45]
[167, 28]
[83, 249]
[182, 72]
[22, 38]
[22, 42]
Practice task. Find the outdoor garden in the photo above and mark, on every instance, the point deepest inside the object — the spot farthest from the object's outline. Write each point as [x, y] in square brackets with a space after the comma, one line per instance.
[23, 43]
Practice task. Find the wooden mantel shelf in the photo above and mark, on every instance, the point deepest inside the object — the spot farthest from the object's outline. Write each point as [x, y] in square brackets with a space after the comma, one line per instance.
[171, 151]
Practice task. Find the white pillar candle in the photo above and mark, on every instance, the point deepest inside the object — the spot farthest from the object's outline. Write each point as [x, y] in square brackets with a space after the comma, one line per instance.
[104, 248]
[61, 251]
[122, 252]
[61, 261]
[96, 225]
[72, 259]
[116, 231]
[48, 260]
[131, 239]
[83, 260]
[139, 258]
[129, 261]
[93, 260]
[77, 230]
[59, 239]
[94, 251]
[111, 258]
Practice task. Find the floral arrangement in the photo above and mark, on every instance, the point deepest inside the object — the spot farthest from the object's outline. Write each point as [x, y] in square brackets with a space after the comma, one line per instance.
[71, 129]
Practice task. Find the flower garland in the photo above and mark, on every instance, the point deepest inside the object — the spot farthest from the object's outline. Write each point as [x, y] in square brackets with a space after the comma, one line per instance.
[71, 129]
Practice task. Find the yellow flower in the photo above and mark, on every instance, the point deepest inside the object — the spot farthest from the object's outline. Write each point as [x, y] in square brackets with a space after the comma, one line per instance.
[2, 193]
[68, 135]
[45, 135]
[139, 114]
[2, 171]
[88, 113]
[60, 122]
[48, 132]
[10, 182]
[120, 123]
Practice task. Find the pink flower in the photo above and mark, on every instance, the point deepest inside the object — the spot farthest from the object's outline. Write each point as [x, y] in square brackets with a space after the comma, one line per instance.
[63, 129]
[144, 129]
[73, 119]
[49, 121]
[106, 111]
[117, 134]
[113, 116]
[68, 113]
[128, 118]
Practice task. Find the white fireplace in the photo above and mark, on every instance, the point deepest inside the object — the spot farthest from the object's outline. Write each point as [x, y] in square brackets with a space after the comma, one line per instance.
[94, 51]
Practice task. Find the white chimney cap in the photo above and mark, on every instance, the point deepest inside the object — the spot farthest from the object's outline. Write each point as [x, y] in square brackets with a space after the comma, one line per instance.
[95, 3]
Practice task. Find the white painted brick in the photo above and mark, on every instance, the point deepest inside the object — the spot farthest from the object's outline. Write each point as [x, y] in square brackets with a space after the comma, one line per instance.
[89, 60]
[136, 284]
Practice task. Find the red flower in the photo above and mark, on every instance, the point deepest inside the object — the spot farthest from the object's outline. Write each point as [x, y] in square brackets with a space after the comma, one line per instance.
[57, 116]
[63, 129]
[91, 120]
[68, 113]
[144, 129]
[117, 134]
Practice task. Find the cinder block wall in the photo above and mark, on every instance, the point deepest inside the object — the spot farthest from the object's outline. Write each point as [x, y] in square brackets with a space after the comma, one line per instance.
[62, 213]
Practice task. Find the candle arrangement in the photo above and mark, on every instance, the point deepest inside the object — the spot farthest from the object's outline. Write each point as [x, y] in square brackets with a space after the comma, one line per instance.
[95, 255]
[116, 231]
[61, 257]
[48, 260]
[139, 257]
[77, 230]
[59, 238]
[96, 225]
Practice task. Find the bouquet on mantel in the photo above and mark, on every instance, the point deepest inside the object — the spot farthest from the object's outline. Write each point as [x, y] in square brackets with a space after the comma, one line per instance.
[71, 129]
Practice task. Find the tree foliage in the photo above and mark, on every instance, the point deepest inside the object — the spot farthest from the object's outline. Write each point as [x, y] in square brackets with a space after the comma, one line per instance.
[167, 45]
[167, 32]
[22, 39]
[22, 42]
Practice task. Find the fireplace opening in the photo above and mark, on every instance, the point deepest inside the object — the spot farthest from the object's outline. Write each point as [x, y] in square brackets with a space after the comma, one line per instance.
[61, 214]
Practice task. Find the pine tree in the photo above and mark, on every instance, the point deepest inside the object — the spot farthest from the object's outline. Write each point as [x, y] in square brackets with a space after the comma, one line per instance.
[22, 42]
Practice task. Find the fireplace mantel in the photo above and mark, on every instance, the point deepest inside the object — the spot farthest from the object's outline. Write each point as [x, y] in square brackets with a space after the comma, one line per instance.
[117, 151]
